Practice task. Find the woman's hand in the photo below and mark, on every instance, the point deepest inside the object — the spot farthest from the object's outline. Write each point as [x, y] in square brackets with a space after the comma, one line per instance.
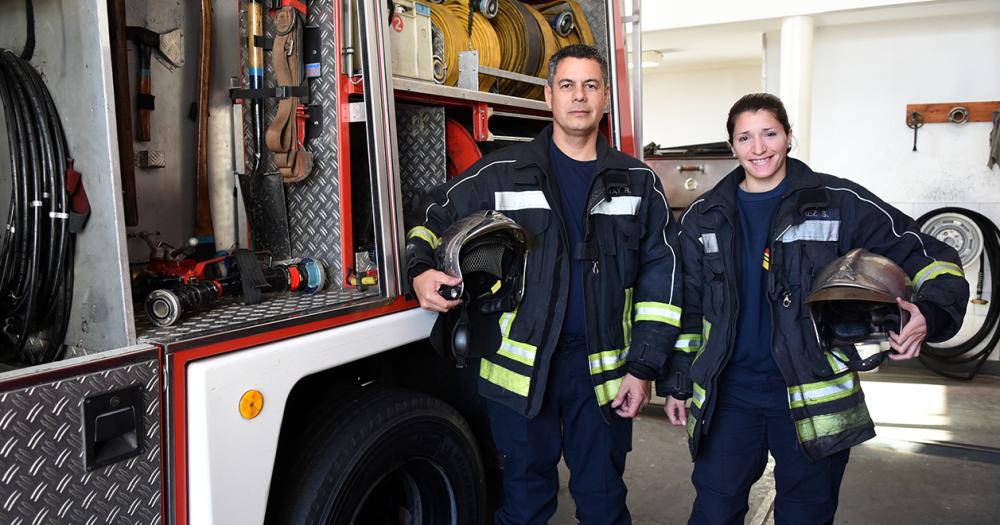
[676, 410]
[909, 340]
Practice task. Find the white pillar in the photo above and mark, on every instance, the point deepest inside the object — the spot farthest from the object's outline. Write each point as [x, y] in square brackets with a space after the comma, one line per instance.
[795, 84]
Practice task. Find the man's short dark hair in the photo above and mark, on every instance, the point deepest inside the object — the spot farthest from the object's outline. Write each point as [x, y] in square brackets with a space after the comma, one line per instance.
[578, 51]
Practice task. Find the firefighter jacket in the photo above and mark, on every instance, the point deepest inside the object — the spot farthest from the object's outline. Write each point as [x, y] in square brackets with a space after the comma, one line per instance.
[631, 274]
[819, 218]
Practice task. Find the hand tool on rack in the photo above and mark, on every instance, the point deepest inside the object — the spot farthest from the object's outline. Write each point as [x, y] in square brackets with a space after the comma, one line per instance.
[169, 47]
[123, 118]
[263, 193]
[203, 223]
[284, 136]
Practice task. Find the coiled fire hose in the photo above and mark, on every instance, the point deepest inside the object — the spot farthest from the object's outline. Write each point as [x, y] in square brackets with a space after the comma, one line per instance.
[453, 36]
[457, 38]
[527, 42]
[560, 15]
[36, 252]
[953, 360]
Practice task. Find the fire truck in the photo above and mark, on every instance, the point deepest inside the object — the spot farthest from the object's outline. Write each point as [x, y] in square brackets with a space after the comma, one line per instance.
[273, 368]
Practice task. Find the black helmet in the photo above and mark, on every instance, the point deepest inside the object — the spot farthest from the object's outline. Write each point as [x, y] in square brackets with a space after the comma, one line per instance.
[853, 305]
[489, 252]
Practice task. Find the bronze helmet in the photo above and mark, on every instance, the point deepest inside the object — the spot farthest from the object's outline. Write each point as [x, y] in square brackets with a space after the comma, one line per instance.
[853, 302]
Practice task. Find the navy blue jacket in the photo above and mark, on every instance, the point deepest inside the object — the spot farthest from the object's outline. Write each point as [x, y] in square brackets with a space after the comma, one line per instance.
[820, 218]
[631, 280]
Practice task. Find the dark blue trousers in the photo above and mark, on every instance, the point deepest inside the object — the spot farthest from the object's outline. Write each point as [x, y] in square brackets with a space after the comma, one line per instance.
[569, 424]
[749, 421]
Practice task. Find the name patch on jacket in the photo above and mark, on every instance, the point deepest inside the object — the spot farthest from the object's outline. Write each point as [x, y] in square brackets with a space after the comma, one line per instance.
[821, 224]
[520, 200]
[617, 206]
[710, 243]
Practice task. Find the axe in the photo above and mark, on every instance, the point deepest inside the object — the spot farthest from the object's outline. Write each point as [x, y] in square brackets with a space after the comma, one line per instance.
[169, 48]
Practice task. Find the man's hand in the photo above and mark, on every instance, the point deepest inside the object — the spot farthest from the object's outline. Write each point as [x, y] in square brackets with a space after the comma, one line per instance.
[911, 337]
[632, 396]
[676, 411]
[425, 288]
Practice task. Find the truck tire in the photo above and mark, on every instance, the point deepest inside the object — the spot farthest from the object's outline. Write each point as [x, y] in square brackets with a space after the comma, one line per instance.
[386, 456]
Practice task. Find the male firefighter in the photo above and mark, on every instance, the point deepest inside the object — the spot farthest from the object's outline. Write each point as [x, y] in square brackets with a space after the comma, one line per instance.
[565, 371]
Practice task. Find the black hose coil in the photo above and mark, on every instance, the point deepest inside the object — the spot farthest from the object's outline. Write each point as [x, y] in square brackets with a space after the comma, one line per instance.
[36, 247]
[951, 361]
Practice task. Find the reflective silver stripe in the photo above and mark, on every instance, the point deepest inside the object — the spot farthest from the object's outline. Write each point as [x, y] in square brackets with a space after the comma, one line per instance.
[813, 230]
[506, 319]
[822, 392]
[606, 361]
[697, 395]
[660, 312]
[710, 242]
[935, 269]
[688, 343]
[836, 359]
[520, 200]
[521, 352]
[617, 206]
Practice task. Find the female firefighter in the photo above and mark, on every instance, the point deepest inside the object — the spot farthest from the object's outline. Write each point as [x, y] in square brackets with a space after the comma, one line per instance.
[749, 355]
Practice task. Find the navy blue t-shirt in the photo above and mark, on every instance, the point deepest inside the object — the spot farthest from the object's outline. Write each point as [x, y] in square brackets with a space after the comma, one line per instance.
[752, 361]
[573, 179]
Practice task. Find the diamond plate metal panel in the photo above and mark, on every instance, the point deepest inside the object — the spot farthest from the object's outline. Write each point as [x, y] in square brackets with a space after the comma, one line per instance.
[314, 204]
[596, 12]
[422, 154]
[232, 314]
[42, 475]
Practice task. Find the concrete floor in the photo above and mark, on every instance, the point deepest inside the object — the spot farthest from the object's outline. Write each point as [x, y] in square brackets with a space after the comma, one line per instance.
[936, 459]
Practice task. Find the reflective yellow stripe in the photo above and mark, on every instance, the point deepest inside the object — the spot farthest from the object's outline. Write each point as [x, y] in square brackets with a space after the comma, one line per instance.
[823, 391]
[516, 350]
[627, 318]
[831, 424]
[423, 233]
[837, 365]
[692, 421]
[607, 391]
[706, 329]
[936, 269]
[500, 376]
[659, 312]
[698, 395]
[606, 361]
[507, 319]
[688, 343]
[520, 352]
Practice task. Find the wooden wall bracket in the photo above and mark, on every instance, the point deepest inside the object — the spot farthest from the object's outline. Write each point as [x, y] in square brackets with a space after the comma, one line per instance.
[956, 112]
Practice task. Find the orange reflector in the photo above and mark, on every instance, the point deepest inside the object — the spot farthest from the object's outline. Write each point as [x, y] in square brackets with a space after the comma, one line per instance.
[251, 404]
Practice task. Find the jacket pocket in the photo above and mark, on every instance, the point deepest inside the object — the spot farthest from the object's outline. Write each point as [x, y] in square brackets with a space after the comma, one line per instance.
[618, 239]
[540, 254]
[714, 287]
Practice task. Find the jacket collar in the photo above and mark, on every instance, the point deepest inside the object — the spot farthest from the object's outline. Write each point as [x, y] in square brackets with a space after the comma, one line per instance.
[537, 152]
[800, 180]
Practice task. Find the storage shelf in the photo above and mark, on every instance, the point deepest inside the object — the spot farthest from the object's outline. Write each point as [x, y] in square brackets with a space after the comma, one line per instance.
[441, 93]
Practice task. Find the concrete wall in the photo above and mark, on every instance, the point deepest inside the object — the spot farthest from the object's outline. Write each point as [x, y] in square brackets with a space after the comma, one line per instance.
[863, 77]
[690, 106]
